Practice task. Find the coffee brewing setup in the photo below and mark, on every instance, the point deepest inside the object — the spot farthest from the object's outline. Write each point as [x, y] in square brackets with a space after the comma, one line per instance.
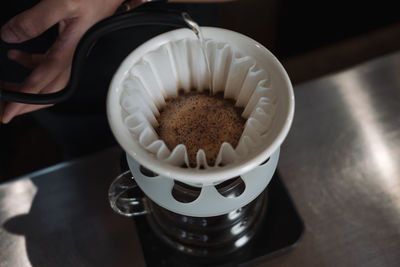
[203, 210]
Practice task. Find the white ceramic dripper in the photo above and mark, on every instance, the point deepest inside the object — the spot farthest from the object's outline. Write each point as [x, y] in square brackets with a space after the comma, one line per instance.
[160, 75]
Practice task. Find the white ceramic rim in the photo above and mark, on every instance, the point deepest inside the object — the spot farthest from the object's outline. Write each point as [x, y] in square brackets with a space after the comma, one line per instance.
[206, 176]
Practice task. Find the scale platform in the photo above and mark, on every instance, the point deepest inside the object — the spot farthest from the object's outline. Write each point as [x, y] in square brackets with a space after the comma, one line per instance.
[281, 228]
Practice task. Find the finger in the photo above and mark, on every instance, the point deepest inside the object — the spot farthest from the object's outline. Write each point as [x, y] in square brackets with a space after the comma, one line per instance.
[30, 108]
[59, 84]
[43, 75]
[9, 112]
[58, 59]
[70, 32]
[33, 22]
[61, 26]
[27, 60]
[13, 109]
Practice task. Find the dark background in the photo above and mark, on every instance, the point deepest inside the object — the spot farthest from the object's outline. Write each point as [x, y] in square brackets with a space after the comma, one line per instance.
[311, 38]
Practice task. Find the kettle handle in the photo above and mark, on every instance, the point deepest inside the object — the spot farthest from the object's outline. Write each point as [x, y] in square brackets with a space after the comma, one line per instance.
[117, 22]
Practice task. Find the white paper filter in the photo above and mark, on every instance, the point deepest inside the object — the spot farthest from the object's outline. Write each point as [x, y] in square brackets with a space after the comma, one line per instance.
[181, 65]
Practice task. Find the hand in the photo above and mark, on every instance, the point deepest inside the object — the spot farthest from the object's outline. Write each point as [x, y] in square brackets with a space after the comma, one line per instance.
[50, 70]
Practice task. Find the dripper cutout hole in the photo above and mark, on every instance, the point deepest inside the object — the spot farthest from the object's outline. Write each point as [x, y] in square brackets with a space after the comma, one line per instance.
[265, 161]
[231, 188]
[185, 193]
[147, 172]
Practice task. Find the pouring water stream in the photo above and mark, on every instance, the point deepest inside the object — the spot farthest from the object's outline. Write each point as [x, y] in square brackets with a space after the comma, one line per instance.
[197, 31]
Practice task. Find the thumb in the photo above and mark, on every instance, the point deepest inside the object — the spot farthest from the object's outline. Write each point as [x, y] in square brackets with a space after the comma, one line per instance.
[32, 22]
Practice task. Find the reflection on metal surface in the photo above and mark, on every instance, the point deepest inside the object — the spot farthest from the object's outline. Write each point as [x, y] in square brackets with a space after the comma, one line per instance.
[379, 150]
[238, 228]
[66, 221]
[234, 214]
[15, 200]
[341, 165]
[241, 241]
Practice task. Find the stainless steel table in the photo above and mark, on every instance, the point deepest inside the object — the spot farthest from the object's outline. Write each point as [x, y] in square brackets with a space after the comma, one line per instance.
[340, 163]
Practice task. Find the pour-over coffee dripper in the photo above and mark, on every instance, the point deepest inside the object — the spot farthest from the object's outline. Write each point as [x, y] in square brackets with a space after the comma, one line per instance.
[185, 206]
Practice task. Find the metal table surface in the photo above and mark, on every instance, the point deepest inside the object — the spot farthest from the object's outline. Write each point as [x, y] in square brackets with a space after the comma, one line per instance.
[340, 163]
